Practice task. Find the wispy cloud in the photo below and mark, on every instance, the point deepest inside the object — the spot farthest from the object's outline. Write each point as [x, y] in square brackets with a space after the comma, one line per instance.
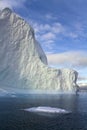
[49, 34]
[68, 59]
[42, 28]
[50, 17]
[80, 78]
[11, 3]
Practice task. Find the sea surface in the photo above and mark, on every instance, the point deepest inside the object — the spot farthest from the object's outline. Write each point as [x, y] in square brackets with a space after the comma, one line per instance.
[13, 116]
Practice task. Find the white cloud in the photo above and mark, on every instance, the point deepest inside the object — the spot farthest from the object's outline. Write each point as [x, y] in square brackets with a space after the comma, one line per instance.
[54, 31]
[80, 78]
[48, 36]
[68, 59]
[50, 17]
[42, 28]
[11, 3]
[57, 28]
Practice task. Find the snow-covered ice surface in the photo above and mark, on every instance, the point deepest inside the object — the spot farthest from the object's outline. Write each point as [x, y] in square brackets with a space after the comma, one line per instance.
[23, 63]
[46, 109]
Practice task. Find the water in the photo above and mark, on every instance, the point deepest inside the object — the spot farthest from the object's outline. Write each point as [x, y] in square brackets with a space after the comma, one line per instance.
[13, 117]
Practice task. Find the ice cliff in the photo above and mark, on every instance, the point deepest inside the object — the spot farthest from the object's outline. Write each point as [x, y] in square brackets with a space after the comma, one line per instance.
[23, 63]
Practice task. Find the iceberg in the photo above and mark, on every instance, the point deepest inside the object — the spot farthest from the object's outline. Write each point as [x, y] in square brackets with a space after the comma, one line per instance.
[23, 63]
[46, 109]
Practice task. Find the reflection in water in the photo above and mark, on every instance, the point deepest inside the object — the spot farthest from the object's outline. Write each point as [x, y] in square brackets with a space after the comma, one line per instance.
[13, 116]
[64, 101]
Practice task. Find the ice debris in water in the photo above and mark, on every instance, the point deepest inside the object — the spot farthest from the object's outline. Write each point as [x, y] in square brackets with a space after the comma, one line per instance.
[44, 109]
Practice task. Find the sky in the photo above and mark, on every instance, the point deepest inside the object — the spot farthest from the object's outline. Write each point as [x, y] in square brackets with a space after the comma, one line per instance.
[61, 29]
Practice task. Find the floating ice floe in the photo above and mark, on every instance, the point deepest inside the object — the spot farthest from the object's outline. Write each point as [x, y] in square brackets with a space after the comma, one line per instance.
[44, 109]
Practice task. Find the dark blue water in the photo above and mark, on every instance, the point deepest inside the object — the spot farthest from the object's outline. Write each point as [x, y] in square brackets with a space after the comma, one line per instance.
[12, 117]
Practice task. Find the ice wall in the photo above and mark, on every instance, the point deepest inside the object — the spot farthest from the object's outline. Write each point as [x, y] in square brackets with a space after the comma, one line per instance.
[23, 63]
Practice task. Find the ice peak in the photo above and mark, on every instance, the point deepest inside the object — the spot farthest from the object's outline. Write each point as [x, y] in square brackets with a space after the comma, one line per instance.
[5, 12]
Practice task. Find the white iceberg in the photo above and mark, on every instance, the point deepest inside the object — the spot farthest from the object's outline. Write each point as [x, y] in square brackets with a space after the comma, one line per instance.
[23, 63]
[46, 109]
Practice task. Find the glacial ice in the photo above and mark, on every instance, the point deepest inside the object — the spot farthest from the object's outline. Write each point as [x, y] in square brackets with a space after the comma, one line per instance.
[23, 64]
[46, 109]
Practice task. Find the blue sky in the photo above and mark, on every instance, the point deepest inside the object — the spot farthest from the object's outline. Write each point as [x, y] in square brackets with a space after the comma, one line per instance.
[61, 29]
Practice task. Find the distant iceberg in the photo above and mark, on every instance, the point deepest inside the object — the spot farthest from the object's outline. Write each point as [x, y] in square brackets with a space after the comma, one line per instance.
[46, 109]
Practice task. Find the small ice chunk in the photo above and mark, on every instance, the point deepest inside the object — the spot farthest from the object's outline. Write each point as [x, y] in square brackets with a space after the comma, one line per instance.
[44, 109]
